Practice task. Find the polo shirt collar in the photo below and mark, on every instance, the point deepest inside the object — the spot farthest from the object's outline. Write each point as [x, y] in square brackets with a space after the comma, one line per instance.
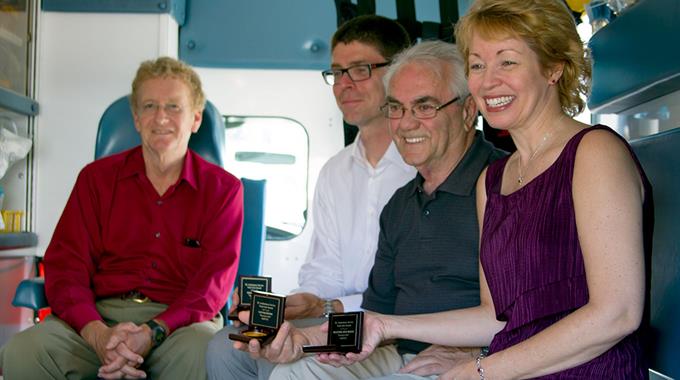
[463, 178]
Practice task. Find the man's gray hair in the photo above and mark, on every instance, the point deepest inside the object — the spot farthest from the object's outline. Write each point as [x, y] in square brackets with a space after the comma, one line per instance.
[431, 53]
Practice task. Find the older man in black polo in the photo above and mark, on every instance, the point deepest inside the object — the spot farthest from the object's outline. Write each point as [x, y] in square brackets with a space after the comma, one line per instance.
[427, 258]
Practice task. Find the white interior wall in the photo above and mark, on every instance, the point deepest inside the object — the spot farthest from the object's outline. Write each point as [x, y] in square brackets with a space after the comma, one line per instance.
[85, 61]
[303, 96]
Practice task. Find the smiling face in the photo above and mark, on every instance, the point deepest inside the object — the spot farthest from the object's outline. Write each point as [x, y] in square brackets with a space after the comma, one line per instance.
[359, 101]
[428, 144]
[508, 83]
[164, 117]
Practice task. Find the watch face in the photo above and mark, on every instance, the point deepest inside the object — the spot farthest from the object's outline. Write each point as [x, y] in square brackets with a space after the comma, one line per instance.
[157, 333]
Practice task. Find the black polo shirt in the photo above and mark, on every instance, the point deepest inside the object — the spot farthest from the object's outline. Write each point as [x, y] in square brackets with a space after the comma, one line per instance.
[427, 257]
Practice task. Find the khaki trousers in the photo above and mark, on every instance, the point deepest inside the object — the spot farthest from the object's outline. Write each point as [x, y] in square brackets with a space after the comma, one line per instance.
[382, 364]
[53, 350]
[383, 361]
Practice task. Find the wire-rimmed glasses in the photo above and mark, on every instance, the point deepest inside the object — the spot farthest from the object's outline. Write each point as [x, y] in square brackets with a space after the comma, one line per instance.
[424, 110]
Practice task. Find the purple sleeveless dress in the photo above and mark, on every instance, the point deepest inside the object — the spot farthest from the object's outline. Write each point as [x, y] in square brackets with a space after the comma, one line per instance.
[533, 263]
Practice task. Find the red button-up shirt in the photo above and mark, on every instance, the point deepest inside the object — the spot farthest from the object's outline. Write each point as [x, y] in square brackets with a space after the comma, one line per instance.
[117, 234]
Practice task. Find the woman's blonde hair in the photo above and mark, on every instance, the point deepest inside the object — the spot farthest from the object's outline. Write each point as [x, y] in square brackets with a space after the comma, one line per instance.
[547, 27]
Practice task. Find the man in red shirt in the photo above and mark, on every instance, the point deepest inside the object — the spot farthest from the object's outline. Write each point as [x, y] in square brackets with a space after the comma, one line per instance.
[146, 249]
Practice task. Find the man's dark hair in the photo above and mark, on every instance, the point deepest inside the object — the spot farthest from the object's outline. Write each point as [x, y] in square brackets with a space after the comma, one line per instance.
[384, 34]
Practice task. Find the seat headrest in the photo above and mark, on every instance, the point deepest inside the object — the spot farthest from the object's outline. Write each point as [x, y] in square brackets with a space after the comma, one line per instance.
[117, 132]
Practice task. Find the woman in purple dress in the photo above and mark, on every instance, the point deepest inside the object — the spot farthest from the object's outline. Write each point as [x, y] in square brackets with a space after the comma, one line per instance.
[565, 219]
[563, 232]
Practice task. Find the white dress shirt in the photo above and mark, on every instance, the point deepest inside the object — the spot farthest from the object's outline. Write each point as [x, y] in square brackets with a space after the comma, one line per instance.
[349, 196]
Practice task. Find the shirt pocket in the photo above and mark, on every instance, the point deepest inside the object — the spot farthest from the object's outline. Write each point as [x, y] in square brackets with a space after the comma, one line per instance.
[190, 259]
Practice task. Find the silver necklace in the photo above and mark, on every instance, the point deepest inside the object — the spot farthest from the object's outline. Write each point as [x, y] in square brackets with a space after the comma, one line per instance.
[520, 178]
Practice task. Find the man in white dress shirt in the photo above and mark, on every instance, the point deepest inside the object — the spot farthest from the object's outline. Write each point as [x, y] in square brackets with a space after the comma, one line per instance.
[352, 188]
[356, 183]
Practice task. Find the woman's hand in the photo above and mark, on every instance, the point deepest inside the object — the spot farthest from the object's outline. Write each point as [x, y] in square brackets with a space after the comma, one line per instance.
[466, 370]
[437, 359]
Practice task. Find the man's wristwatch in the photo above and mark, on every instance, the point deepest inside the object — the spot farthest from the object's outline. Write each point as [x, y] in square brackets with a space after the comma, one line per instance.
[158, 333]
[327, 308]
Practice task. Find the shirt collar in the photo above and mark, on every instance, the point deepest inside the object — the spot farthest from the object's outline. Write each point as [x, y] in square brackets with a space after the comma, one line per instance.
[134, 165]
[463, 178]
[391, 155]
[189, 170]
[358, 150]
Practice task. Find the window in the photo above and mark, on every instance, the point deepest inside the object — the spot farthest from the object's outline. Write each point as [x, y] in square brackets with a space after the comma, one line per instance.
[275, 149]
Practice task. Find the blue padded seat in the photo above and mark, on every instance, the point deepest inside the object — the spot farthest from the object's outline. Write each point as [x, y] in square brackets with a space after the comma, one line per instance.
[30, 293]
[254, 231]
[659, 155]
[250, 261]
[117, 132]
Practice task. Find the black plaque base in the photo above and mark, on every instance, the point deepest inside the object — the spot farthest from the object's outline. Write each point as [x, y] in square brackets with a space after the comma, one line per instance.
[319, 349]
[345, 333]
[264, 336]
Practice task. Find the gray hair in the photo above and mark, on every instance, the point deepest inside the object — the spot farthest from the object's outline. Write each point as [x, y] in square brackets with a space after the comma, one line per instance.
[431, 53]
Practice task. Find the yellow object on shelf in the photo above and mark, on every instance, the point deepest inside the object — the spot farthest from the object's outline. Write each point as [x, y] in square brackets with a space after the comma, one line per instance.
[577, 5]
[12, 220]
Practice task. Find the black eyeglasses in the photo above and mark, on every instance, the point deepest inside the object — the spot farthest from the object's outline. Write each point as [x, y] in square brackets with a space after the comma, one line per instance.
[356, 73]
[425, 110]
